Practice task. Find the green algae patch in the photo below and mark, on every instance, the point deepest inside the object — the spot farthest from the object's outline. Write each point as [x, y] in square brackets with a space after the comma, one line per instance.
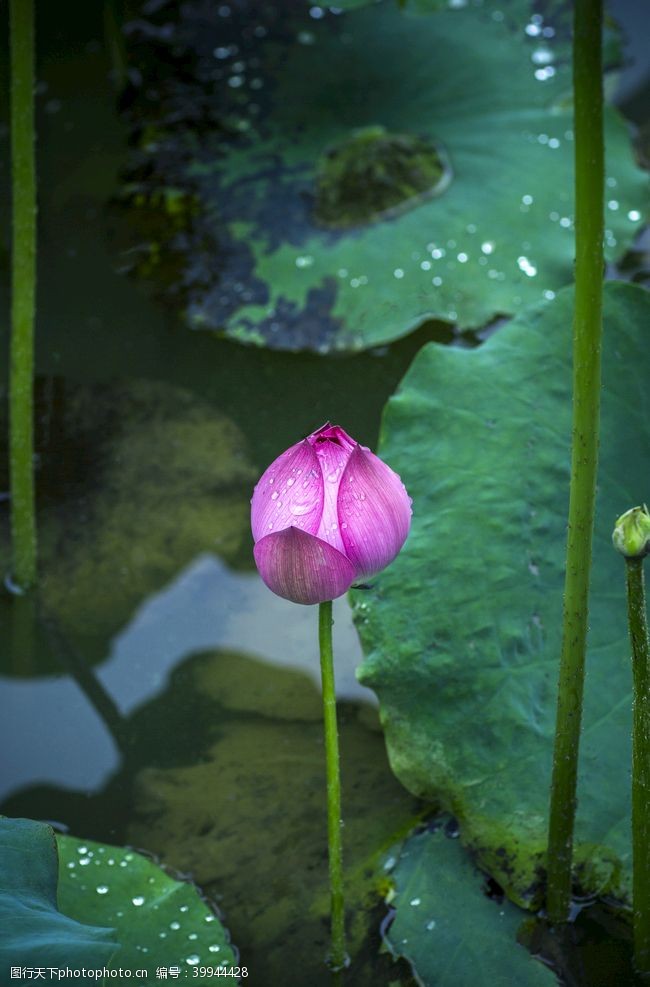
[253, 803]
[375, 174]
[144, 477]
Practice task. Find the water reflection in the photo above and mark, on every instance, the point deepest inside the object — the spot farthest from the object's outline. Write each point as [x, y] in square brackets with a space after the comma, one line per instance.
[208, 606]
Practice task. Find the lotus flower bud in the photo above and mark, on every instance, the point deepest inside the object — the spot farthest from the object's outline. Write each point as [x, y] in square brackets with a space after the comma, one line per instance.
[631, 534]
[325, 514]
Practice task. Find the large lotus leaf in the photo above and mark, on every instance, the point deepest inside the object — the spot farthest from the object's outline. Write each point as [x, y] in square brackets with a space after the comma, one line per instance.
[34, 932]
[462, 633]
[448, 928]
[491, 97]
[160, 922]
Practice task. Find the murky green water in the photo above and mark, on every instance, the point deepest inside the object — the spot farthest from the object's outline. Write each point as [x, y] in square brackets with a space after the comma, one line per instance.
[156, 693]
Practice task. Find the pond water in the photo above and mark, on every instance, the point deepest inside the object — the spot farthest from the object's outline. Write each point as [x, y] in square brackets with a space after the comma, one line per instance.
[155, 693]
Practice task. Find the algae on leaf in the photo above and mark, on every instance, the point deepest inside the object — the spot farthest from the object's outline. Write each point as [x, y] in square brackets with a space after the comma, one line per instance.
[462, 632]
[447, 927]
[326, 237]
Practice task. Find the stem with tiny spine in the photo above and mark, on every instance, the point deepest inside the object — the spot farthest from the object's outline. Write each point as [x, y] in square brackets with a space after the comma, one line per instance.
[636, 612]
[23, 285]
[338, 957]
[587, 335]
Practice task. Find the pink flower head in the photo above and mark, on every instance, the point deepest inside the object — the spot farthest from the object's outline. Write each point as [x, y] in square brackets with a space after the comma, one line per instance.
[325, 514]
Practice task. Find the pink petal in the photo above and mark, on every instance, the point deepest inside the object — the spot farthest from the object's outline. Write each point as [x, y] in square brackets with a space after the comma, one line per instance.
[333, 448]
[374, 512]
[335, 434]
[302, 568]
[289, 492]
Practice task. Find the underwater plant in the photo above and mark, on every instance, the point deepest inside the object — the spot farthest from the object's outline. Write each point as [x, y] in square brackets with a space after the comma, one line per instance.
[326, 513]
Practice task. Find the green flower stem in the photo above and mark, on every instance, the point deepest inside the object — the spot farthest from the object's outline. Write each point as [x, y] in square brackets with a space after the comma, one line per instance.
[338, 956]
[23, 283]
[636, 612]
[587, 335]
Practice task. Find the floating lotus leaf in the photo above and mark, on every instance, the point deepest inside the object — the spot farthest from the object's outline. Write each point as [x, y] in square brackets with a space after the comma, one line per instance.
[462, 632]
[35, 933]
[472, 218]
[159, 921]
[69, 904]
[447, 927]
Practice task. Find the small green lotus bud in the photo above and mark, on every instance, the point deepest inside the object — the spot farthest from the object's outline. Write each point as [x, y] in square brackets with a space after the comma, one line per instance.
[631, 534]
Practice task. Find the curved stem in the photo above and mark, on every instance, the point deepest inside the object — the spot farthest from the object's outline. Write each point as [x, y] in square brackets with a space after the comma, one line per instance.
[587, 334]
[23, 282]
[636, 611]
[338, 955]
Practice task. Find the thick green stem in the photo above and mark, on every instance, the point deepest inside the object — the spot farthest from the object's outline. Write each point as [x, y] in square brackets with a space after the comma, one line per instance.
[587, 334]
[636, 612]
[338, 957]
[23, 282]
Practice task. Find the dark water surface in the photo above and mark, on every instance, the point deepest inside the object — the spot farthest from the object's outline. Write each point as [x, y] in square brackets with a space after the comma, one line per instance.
[156, 693]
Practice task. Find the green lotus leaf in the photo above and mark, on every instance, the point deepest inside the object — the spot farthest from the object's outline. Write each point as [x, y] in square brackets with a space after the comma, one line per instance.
[446, 926]
[460, 208]
[35, 933]
[462, 633]
[159, 921]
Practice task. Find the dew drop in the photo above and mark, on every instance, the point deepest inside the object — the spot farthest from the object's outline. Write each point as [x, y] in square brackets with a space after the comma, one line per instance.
[299, 509]
[290, 482]
[193, 935]
[415, 901]
[193, 960]
[102, 889]
[634, 215]
[214, 948]
[525, 265]
[184, 908]
[431, 925]
[138, 900]
[174, 925]
[398, 273]
[275, 495]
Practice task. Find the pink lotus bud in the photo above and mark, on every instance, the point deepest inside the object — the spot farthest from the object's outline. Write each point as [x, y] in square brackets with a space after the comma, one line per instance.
[325, 514]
